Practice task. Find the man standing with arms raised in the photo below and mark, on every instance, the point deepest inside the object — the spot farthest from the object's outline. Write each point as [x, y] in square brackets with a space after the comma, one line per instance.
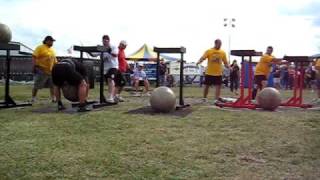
[213, 74]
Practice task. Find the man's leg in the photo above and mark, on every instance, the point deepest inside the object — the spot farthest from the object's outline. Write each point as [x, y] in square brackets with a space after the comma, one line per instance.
[111, 88]
[218, 92]
[206, 91]
[34, 93]
[39, 82]
[52, 95]
[231, 84]
[146, 85]
[82, 92]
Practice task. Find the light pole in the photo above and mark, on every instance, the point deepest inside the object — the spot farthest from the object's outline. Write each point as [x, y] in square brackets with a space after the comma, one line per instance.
[229, 23]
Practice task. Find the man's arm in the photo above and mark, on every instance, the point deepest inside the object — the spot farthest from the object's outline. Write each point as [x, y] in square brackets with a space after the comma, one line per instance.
[200, 61]
[279, 61]
[34, 63]
[204, 57]
[225, 61]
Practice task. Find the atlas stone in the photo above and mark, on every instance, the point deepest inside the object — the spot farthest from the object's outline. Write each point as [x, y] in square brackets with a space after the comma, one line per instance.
[5, 33]
[163, 99]
[269, 99]
[70, 92]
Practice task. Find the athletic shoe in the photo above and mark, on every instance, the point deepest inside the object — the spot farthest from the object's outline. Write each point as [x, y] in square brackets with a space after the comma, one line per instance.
[315, 101]
[110, 100]
[33, 99]
[136, 94]
[61, 107]
[147, 94]
[204, 100]
[119, 99]
[83, 109]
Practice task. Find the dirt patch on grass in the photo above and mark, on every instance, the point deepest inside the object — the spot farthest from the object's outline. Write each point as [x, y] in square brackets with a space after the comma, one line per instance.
[147, 110]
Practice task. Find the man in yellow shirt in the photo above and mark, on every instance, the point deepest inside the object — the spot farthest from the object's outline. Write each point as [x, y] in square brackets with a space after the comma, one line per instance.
[262, 70]
[213, 74]
[43, 59]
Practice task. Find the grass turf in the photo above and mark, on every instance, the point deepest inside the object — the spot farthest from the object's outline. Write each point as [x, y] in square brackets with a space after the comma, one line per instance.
[209, 143]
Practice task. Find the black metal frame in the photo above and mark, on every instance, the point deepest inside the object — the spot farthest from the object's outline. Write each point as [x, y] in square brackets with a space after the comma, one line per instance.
[96, 49]
[181, 51]
[8, 101]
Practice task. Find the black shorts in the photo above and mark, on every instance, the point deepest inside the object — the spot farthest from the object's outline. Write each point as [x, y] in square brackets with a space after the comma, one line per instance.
[62, 73]
[212, 80]
[117, 76]
[258, 80]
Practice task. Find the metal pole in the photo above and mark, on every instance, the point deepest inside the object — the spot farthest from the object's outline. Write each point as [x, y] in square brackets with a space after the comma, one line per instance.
[229, 60]
[242, 78]
[181, 103]
[250, 78]
[158, 69]
[7, 97]
[102, 98]
[81, 56]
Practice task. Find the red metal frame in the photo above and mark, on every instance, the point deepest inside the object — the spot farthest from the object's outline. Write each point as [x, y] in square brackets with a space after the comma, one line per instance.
[244, 101]
[297, 99]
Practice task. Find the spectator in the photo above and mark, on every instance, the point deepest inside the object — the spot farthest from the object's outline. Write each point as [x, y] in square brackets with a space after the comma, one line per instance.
[162, 72]
[140, 75]
[284, 76]
[276, 76]
[234, 77]
[43, 59]
[123, 68]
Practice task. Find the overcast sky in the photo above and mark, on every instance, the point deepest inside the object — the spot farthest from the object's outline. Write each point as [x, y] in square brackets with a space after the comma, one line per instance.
[291, 26]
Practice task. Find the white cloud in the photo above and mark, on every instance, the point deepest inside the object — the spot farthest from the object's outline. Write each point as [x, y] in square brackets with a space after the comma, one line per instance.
[193, 24]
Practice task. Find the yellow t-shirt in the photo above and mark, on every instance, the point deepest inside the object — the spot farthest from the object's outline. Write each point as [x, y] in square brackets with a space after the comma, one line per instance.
[215, 59]
[263, 67]
[45, 58]
[317, 64]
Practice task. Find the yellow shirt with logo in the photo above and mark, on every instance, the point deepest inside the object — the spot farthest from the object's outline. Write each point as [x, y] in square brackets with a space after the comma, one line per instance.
[263, 67]
[215, 59]
[45, 58]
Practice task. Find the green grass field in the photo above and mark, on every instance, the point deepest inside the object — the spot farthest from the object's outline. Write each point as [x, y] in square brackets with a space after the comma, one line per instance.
[112, 143]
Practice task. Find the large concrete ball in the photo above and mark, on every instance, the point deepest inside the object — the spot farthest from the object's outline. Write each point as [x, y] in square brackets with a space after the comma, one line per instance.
[5, 33]
[269, 99]
[163, 99]
[70, 92]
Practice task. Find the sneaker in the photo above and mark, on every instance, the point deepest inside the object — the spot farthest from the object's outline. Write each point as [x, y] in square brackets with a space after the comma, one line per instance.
[147, 94]
[110, 100]
[216, 101]
[83, 109]
[119, 99]
[222, 100]
[204, 100]
[316, 101]
[61, 107]
[136, 94]
[33, 99]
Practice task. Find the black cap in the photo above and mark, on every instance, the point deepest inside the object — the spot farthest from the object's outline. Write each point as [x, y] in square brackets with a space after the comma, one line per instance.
[106, 37]
[48, 38]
